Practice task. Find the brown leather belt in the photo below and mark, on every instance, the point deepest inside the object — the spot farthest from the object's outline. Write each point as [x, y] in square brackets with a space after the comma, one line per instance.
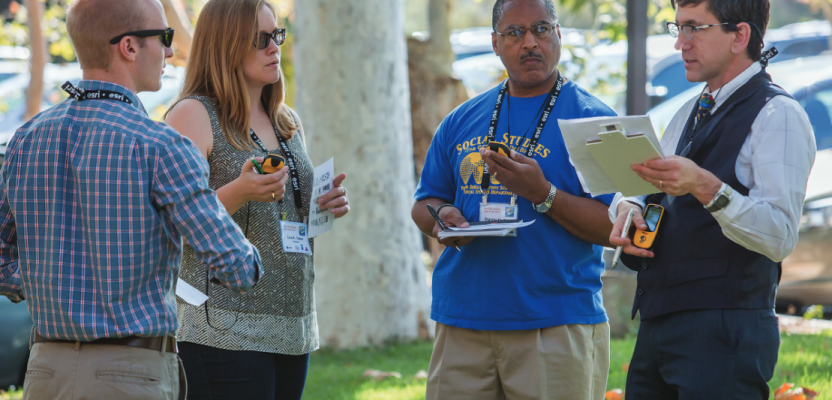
[150, 343]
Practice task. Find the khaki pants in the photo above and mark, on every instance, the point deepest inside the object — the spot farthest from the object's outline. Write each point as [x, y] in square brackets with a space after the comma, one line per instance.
[95, 371]
[569, 362]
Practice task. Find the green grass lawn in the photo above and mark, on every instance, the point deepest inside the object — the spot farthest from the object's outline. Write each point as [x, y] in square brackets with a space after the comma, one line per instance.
[805, 360]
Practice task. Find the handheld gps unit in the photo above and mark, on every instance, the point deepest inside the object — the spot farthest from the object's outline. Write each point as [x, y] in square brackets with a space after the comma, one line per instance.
[646, 239]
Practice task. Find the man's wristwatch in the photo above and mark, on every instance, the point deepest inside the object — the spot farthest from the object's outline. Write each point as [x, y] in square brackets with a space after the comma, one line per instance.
[547, 204]
[721, 200]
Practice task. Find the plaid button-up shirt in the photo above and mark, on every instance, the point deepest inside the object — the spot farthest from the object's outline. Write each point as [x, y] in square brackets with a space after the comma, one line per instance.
[95, 201]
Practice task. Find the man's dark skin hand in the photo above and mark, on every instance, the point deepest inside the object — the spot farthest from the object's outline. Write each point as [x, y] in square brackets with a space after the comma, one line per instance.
[585, 218]
[450, 216]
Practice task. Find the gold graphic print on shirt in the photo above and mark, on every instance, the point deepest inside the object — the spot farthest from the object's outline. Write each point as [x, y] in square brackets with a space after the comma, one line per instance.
[472, 164]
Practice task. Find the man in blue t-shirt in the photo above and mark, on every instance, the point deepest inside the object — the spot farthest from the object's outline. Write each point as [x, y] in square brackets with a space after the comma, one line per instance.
[519, 317]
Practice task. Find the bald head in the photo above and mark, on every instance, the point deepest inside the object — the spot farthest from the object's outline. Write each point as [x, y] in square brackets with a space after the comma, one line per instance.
[92, 23]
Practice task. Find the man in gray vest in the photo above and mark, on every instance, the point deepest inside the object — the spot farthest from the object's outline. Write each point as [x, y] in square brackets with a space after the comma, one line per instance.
[733, 195]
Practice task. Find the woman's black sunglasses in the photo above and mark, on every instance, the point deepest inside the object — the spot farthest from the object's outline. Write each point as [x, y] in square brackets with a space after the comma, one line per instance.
[165, 34]
[278, 35]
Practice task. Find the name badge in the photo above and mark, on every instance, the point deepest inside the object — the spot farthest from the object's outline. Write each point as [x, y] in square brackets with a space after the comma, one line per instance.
[499, 212]
[295, 237]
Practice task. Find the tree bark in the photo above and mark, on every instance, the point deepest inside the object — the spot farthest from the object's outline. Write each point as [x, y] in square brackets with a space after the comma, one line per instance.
[35, 90]
[440, 33]
[353, 98]
[434, 90]
[178, 20]
[826, 7]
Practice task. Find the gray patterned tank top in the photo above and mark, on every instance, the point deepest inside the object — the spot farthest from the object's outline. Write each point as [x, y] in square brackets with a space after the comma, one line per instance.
[278, 315]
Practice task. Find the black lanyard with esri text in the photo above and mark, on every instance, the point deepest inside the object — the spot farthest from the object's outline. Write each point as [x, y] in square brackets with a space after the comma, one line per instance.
[81, 94]
[290, 161]
[495, 117]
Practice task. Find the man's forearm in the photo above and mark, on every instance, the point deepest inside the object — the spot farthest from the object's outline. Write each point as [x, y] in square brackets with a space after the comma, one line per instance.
[422, 217]
[583, 217]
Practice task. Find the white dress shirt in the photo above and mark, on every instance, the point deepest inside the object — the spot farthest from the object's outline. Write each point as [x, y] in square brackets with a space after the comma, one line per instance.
[774, 164]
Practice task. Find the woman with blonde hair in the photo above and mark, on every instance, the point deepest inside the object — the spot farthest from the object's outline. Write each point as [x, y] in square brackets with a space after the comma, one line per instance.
[255, 345]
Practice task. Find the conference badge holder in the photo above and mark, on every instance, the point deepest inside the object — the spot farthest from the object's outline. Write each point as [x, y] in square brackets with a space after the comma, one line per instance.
[295, 237]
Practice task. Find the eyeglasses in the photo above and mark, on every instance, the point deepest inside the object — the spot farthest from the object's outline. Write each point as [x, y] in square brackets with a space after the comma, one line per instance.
[278, 35]
[688, 30]
[165, 34]
[539, 31]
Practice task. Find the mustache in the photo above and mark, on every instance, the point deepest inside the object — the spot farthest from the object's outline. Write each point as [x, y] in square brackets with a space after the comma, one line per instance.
[530, 55]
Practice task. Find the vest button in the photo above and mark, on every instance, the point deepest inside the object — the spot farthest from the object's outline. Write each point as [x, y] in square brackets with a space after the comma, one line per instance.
[640, 292]
[644, 265]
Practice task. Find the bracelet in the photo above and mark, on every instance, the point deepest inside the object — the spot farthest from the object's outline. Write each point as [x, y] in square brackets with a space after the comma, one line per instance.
[444, 205]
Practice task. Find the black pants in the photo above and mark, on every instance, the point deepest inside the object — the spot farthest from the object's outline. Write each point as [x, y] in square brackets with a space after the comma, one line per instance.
[704, 354]
[217, 374]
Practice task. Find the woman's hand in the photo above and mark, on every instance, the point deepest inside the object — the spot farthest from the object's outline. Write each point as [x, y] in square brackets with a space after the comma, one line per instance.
[253, 186]
[336, 199]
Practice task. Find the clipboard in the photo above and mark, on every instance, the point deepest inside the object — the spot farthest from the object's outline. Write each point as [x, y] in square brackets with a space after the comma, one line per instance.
[616, 151]
[603, 150]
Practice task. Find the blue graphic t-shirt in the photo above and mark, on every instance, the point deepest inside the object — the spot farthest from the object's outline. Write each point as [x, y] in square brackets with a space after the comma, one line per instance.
[543, 277]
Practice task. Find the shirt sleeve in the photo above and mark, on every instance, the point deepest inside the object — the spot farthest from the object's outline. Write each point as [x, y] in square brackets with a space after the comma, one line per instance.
[10, 284]
[437, 179]
[181, 191]
[782, 149]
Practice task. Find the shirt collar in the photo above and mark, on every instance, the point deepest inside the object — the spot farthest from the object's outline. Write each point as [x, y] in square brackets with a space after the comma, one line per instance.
[113, 87]
[723, 93]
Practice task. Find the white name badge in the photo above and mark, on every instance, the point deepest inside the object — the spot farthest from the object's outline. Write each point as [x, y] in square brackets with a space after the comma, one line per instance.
[295, 237]
[499, 212]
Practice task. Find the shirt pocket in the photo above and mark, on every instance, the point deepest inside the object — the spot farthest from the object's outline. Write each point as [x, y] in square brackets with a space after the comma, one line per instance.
[694, 270]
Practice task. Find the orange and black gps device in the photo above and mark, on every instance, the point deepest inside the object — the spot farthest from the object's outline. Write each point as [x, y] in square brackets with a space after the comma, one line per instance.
[499, 148]
[272, 163]
[646, 239]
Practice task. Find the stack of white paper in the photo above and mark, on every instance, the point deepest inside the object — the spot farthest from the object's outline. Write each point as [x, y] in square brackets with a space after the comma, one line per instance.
[484, 229]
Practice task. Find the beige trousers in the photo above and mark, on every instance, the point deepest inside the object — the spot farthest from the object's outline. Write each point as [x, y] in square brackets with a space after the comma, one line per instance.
[95, 371]
[569, 362]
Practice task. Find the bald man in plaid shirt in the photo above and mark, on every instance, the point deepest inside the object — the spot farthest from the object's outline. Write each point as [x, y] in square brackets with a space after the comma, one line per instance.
[95, 201]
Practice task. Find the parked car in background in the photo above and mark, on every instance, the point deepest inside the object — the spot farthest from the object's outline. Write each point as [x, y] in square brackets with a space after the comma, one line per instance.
[802, 39]
[807, 273]
[13, 95]
[483, 72]
[15, 327]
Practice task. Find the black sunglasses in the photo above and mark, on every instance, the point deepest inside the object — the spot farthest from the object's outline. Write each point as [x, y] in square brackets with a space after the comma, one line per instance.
[165, 34]
[278, 35]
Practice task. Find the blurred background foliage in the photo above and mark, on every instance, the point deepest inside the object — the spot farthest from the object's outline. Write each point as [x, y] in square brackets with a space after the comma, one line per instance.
[607, 16]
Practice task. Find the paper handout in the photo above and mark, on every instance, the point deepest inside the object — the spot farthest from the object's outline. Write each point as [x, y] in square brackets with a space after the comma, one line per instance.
[489, 228]
[321, 221]
[189, 294]
[603, 149]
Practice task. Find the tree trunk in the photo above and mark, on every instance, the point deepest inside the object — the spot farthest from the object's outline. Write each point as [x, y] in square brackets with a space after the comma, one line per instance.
[35, 91]
[826, 7]
[440, 33]
[353, 98]
[434, 91]
[178, 20]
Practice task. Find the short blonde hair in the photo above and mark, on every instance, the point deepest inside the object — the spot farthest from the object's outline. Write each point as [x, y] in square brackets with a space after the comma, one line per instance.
[91, 25]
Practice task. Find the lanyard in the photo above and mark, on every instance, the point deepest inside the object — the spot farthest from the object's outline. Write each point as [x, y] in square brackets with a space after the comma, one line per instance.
[81, 94]
[495, 117]
[290, 161]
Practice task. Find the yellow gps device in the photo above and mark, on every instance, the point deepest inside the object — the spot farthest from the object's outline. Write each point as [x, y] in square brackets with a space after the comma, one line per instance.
[499, 148]
[646, 239]
[272, 163]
